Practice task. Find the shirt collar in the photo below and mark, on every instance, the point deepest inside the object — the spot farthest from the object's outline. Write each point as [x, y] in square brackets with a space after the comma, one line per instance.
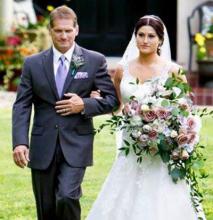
[57, 54]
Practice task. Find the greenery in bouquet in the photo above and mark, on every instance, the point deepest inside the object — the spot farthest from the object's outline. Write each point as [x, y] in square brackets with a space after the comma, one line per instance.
[164, 122]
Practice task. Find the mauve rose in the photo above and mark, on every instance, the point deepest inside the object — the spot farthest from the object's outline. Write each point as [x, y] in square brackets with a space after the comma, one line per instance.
[162, 113]
[134, 104]
[126, 109]
[191, 123]
[182, 139]
[152, 134]
[149, 115]
[175, 155]
[191, 137]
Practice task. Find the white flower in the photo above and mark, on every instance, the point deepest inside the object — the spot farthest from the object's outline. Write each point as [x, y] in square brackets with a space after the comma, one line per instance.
[144, 107]
[146, 128]
[165, 93]
[173, 134]
[136, 134]
[136, 120]
[176, 90]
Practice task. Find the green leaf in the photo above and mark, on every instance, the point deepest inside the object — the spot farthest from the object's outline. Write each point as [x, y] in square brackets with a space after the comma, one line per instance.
[177, 174]
[197, 164]
[165, 103]
[137, 81]
[126, 143]
[165, 156]
[175, 112]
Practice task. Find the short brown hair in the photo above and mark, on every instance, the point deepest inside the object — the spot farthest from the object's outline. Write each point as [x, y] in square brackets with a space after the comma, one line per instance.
[62, 12]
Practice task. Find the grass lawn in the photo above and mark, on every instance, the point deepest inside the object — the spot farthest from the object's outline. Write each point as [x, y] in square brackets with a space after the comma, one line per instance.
[16, 198]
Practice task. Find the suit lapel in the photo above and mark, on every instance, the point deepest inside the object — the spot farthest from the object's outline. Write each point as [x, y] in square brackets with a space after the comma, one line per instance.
[49, 72]
[78, 52]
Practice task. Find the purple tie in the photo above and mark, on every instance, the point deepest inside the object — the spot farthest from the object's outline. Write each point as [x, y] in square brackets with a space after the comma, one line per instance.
[61, 75]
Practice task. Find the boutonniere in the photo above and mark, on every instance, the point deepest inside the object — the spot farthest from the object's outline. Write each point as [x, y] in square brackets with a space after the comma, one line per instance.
[76, 62]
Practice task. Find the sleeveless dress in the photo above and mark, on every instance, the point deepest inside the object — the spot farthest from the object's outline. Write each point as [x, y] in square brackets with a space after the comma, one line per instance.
[145, 191]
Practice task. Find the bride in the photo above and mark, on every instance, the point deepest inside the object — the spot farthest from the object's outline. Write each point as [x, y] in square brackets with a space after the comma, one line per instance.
[143, 191]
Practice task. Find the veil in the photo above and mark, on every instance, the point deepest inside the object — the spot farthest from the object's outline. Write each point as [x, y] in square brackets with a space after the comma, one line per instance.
[132, 52]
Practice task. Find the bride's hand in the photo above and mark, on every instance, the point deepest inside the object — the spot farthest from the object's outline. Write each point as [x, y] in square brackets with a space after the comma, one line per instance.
[96, 94]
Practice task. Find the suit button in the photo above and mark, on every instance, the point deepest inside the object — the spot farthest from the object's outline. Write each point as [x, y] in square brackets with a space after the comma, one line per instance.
[56, 126]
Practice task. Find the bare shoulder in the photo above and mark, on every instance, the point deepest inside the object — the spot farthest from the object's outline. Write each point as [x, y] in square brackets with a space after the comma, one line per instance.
[118, 72]
[175, 68]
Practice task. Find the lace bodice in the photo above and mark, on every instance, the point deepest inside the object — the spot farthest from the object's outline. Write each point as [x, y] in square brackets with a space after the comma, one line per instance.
[129, 87]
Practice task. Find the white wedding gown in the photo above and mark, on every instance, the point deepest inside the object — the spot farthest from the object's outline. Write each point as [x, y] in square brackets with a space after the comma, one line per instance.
[145, 191]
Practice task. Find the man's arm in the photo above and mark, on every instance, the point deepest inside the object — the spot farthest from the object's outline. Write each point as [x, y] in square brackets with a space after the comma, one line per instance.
[21, 119]
[109, 101]
[90, 106]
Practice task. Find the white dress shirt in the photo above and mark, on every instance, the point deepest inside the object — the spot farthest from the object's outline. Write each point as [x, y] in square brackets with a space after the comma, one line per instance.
[56, 56]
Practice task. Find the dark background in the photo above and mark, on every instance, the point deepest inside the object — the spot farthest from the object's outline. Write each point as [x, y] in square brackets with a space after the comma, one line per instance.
[107, 25]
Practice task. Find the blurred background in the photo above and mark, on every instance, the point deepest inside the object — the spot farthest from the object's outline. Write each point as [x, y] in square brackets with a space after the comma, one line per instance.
[106, 26]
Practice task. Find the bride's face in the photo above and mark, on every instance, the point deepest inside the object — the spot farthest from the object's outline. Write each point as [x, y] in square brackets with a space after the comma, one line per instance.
[147, 40]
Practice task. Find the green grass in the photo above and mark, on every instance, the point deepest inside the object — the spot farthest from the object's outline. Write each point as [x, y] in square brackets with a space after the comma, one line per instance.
[16, 198]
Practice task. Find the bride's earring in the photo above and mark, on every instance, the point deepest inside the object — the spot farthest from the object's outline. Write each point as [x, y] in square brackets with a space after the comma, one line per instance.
[159, 49]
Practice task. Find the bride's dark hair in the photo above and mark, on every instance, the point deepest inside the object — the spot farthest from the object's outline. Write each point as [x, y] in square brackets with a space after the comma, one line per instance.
[155, 22]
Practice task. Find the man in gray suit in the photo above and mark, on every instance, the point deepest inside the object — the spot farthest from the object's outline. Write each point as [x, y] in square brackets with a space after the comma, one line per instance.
[58, 83]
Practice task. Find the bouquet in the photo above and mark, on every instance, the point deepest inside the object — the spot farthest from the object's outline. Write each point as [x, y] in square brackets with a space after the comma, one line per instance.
[164, 122]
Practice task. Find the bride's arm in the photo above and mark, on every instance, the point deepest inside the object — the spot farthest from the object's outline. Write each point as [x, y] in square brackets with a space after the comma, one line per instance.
[117, 80]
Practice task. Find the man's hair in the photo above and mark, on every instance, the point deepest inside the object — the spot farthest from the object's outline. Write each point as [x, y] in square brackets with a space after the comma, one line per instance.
[62, 12]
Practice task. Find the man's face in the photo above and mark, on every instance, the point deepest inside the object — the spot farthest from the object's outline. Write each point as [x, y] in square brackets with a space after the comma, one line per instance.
[63, 34]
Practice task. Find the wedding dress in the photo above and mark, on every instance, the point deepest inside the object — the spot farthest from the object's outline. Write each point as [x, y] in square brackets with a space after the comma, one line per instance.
[145, 191]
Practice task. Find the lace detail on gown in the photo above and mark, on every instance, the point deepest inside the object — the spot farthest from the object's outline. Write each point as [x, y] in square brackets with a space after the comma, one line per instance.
[143, 191]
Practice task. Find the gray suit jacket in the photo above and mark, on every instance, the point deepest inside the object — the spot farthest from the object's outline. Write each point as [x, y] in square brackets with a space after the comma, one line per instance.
[38, 88]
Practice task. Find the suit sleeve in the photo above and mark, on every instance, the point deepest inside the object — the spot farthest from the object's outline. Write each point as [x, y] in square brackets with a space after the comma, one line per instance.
[22, 109]
[103, 82]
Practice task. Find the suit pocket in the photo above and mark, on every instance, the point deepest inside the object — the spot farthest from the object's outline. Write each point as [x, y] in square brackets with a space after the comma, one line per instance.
[37, 130]
[85, 129]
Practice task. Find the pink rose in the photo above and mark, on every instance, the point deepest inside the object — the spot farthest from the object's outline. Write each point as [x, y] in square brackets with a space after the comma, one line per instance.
[152, 134]
[191, 123]
[163, 113]
[143, 139]
[149, 115]
[126, 109]
[182, 139]
[191, 137]
[134, 104]
[175, 155]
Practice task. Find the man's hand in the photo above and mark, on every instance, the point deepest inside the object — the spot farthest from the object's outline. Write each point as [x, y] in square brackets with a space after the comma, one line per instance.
[73, 105]
[21, 155]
